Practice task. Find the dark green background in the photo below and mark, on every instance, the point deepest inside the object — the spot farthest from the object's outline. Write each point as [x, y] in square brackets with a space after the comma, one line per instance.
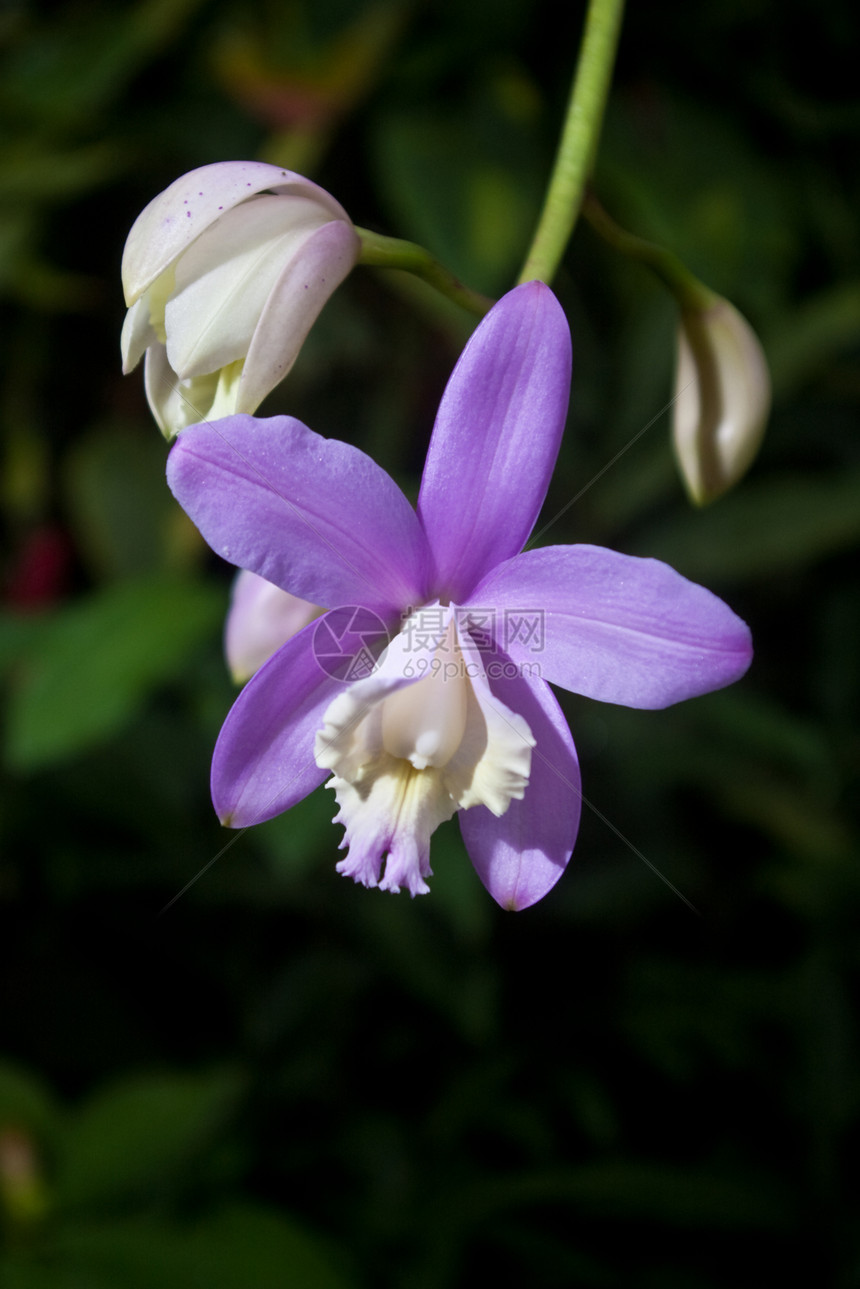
[286, 1080]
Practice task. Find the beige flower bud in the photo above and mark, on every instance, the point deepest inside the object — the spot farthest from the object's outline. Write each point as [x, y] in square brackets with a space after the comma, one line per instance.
[722, 399]
[224, 274]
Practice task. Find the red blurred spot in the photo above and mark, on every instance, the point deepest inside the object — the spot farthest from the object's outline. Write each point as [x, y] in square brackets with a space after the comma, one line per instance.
[40, 570]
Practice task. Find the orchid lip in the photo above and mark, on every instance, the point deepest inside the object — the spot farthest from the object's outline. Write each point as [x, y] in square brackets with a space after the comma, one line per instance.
[422, 737]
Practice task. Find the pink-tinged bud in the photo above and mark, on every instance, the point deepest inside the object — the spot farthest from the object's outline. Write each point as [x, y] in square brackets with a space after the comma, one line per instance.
[722, 399]
[224, 274]
[262, 617]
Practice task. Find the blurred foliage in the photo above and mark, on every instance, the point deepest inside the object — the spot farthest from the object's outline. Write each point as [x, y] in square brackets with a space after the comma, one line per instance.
[285, 1080]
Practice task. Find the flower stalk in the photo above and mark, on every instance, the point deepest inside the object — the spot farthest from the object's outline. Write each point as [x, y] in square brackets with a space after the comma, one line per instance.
[394, 253]
[580, 136]
[691, 294]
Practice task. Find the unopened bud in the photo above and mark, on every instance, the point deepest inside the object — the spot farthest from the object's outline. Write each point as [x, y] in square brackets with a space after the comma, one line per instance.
[224, 274]
[722, 398]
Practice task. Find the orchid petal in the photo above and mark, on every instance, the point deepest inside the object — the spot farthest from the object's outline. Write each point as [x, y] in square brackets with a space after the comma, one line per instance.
[388, 807]
[521, 855]
[293, 306]
[391, 817]
[496, 438]
[615, 627]
[137, 335]
[262, 617]
[223, 280]
[178, 215]
[264, 758]
[492, 765]
[176, 403]
[314, 516]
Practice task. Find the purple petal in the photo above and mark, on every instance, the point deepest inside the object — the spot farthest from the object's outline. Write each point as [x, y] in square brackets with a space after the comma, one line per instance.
[496, 438]
[521, 855]
[614, 627]
[314, 516]
[264, 758]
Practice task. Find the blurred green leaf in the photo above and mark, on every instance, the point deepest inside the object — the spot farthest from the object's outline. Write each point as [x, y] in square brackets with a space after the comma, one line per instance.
[458, 984]
[25, 1101]
[233, 1248]
[808, 337]
[684, 177]
[73, 65]
[124, 518]
[18, 633]
[640, 1190]
[771, 526]
[131, 1137]
[293, 842]
[21, 1272]
[95, 662]
[30, 172]
[463, 184]
[17, 229]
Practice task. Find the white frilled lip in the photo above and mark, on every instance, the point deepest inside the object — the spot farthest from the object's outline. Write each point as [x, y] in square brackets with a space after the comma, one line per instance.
[421, 737]
[177, 216]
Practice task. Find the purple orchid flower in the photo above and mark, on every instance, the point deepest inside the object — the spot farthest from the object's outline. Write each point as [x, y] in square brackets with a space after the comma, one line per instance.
[458, 714]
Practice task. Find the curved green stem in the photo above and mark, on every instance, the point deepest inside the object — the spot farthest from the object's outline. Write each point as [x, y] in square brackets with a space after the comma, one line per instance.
[690, 293]
[392, 253]
[579, 140]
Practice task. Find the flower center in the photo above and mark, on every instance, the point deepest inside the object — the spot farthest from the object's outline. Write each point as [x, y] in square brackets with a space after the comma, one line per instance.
[406, 753]
[425, 723]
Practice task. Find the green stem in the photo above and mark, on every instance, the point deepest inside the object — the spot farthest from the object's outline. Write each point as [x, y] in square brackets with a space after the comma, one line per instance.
[579, 139]
[392, 253]
[690, 293]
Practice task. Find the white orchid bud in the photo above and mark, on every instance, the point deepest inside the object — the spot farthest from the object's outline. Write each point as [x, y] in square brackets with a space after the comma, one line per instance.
[722, 398]
[224, 274]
